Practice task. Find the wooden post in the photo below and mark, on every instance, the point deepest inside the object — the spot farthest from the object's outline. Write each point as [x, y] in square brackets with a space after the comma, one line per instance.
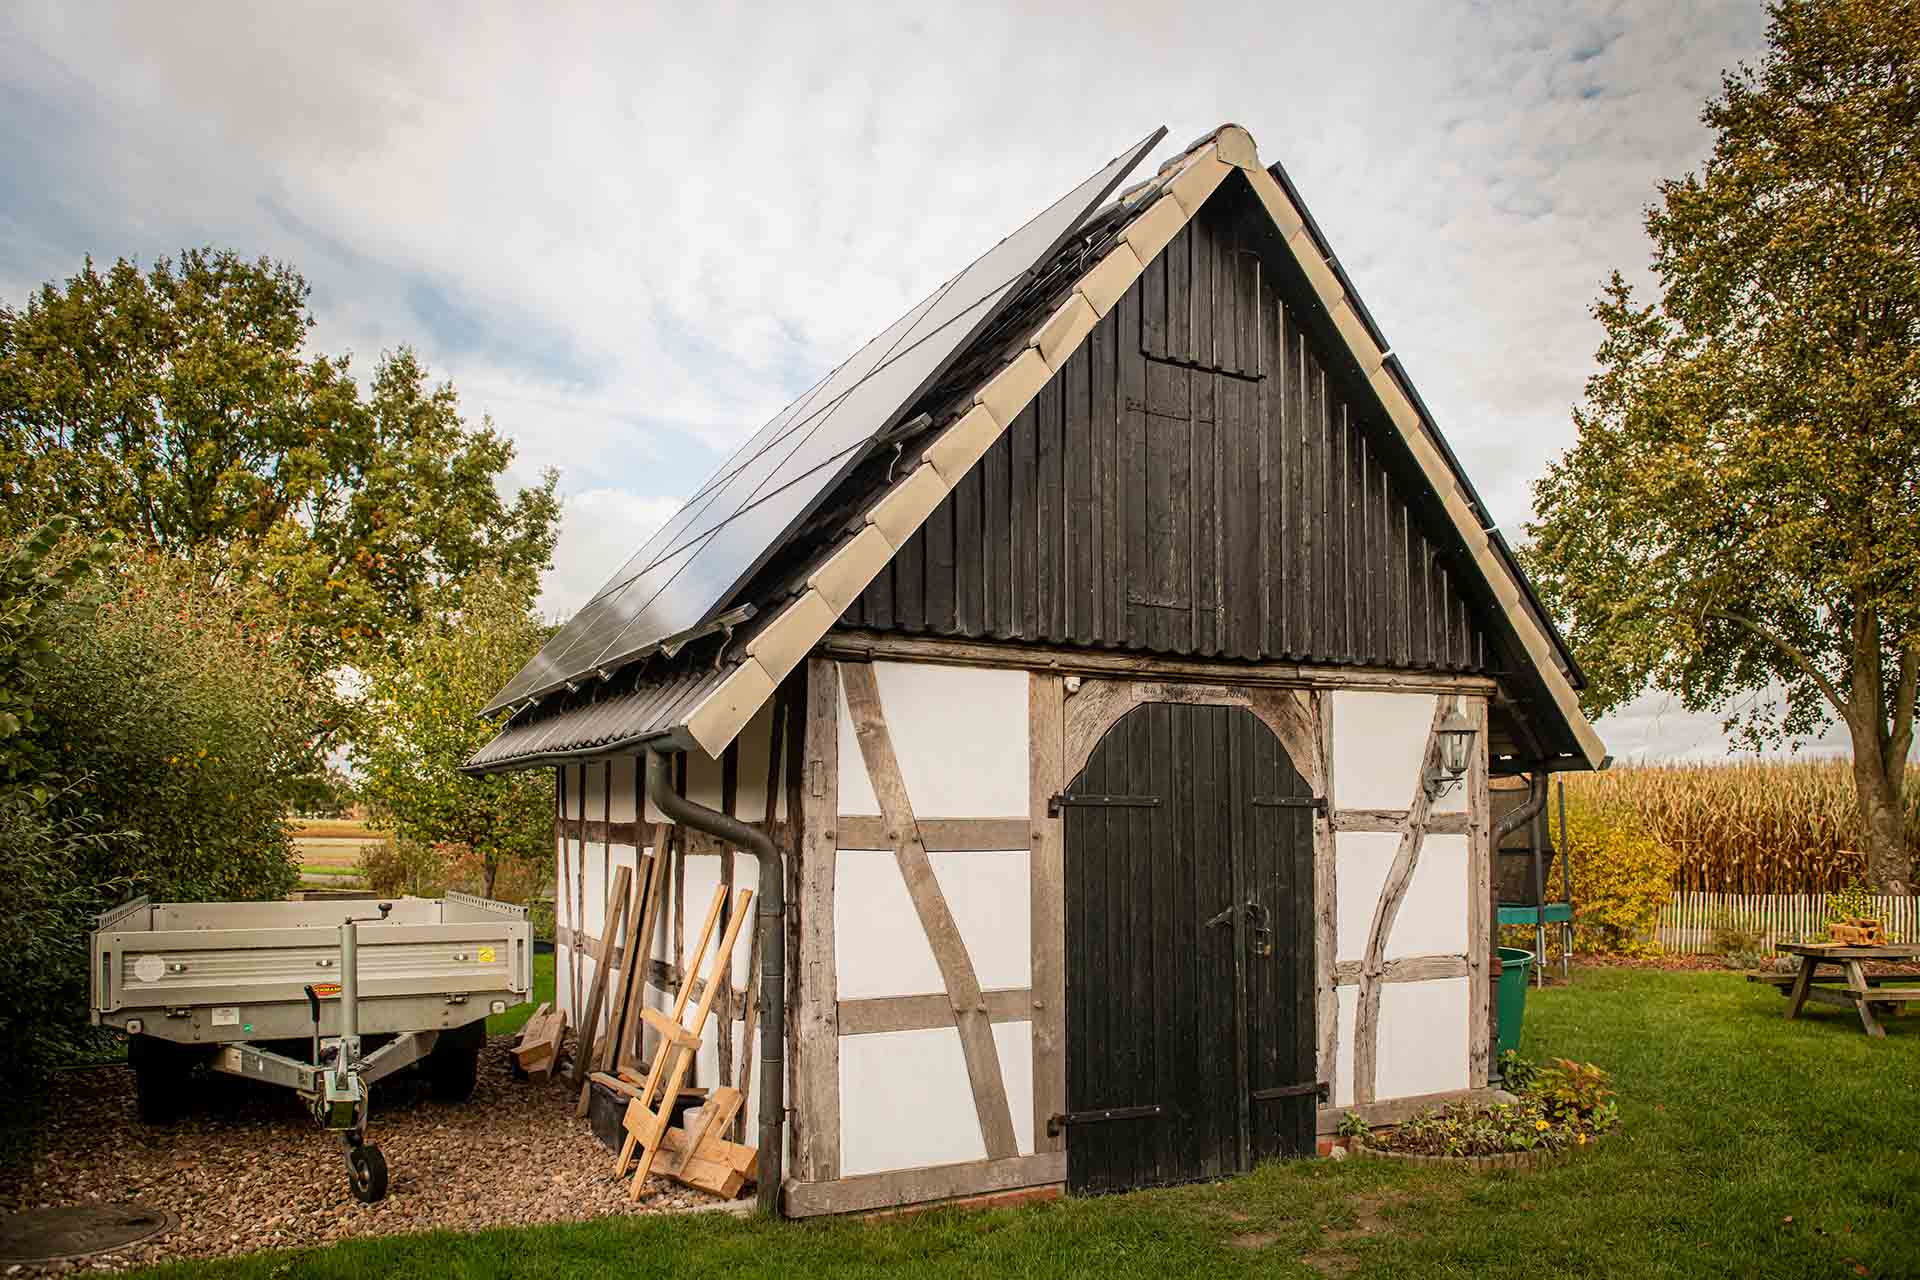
[1326, 896]
[1046, 724]
[615, 915]
[816, 1086]
[1479, 904]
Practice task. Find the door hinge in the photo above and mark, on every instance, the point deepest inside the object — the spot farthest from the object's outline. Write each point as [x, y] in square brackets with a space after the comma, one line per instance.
[1316, 803]
[1061, 1119]
[1317, 1088]
[1061, 799]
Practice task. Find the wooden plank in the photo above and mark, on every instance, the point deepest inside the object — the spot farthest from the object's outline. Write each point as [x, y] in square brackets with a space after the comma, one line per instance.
[1046, 906]
[865, 646]
[616, 914]
[656, 889]
[564, 921]
[1395, 820]
[1405, 969]
[750, 1006]
[930, 904]
[580, 903]
[1480, 936]
[816, 1082]
[1366, 1023]
[875, 1014]
[940, 835]
[919, 1186]
[1100, 704]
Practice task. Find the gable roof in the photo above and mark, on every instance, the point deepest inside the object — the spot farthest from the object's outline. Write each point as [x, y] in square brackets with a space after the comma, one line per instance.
[699, 688]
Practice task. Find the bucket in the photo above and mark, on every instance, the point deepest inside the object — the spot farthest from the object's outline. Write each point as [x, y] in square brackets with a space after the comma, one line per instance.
[1512, 997]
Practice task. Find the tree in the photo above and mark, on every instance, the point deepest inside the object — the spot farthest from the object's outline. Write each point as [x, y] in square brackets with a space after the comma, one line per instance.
[422, 721]
[180, 408]
[1739, 521]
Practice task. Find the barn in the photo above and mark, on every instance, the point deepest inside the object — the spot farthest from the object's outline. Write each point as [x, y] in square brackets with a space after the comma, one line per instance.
[1098, 677]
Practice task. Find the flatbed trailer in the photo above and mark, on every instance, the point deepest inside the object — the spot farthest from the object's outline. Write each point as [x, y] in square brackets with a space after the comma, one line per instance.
[294, 993]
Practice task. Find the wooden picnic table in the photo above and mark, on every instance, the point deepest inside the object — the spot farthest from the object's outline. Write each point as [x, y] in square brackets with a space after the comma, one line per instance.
[1870, 997]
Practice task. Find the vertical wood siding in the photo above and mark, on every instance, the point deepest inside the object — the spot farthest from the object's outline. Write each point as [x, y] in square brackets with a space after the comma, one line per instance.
[1190, 482]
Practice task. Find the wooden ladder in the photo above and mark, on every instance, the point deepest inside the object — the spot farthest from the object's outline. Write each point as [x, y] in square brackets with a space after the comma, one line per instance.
[646, 1121]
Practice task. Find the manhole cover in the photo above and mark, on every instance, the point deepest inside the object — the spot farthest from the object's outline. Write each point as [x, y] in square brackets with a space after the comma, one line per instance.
[48, 1235]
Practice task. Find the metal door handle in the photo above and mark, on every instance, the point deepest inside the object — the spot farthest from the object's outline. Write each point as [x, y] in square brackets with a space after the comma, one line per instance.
[1224, 917]
[1260, 935]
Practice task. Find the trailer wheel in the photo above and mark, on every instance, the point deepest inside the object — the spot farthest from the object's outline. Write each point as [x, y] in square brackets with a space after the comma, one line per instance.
[160, 1073]
[367, 1173]
[451, 1072]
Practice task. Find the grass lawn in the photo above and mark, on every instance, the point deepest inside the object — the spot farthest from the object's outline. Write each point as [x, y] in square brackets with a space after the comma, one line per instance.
[1752, 1147]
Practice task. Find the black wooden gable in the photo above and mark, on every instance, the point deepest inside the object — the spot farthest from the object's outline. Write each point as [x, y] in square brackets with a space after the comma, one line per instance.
[1202, 477]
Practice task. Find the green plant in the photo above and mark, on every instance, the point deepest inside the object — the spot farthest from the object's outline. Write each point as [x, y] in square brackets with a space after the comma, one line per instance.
[1570, 1091]
[399, 865]
[1516, 1072]
[1853, 902]
[1352, 1127]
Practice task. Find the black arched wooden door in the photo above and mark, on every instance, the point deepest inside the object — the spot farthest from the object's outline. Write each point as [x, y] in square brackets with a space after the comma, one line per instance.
[1190, 983]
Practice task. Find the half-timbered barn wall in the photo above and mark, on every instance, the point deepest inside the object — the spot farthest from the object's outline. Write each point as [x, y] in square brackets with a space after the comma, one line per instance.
[598, 835]
[1193, 481]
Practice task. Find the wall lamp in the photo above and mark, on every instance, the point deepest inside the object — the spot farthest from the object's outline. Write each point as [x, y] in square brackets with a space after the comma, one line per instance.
[1455, 731]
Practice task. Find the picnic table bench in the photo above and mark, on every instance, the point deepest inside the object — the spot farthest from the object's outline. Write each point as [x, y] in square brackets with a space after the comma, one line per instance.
[1871, 997]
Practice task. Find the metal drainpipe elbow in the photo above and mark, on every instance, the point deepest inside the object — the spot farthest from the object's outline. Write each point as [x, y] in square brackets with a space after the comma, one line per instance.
[773, 949]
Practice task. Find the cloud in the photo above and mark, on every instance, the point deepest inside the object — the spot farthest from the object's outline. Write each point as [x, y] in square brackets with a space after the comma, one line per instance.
[631, 235]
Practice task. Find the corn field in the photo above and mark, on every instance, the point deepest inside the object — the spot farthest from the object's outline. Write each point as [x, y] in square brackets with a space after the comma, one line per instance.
[1711, 923]
[1773, 827]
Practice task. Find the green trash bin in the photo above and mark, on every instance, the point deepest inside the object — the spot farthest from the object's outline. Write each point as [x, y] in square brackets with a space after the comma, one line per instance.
[1514, 964]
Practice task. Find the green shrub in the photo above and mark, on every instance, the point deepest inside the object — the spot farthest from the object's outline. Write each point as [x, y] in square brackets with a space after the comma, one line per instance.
[398, 865]
[1622, 876]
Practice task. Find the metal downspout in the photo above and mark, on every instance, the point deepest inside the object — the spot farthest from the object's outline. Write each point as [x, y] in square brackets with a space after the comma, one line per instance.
[773, 950]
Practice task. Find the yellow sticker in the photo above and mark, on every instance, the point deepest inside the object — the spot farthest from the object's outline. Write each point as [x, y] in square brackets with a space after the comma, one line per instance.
[486, 955]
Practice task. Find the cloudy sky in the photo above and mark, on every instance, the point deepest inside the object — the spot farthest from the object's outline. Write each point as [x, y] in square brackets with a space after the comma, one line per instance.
[629, 237]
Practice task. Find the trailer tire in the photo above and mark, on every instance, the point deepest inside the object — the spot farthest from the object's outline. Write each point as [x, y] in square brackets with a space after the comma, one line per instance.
[452, 1071]
[367, 1173]
[160, 1072]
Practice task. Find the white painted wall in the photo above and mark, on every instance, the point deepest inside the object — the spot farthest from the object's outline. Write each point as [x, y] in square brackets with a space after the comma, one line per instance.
[906, 1102]
[1378, 742]
[1423, 1038]
[960, 734]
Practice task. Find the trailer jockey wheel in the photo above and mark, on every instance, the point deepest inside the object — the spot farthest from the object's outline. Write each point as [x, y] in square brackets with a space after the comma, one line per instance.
[366, 1170]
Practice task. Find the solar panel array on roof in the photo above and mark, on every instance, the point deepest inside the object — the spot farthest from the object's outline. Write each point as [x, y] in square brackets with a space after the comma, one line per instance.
[688, 571]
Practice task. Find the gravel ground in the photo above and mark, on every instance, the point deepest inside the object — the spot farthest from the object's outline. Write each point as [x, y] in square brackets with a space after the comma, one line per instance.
[249, 1170]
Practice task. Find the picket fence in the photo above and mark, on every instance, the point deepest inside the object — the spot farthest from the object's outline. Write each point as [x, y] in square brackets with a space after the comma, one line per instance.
[1689, 921]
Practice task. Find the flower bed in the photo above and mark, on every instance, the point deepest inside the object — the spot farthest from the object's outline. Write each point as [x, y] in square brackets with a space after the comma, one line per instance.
[1560, 1107]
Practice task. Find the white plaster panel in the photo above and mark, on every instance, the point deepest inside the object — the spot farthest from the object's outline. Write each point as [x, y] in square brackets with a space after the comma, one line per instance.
[1378, 740]
[879, 947]
[1349, 999]
[905, 1102]
[1014, 1043]
[990, 895]
[756, 742]
[1423, 1037]
[1361, 862]
[1433, 915]
[959, 733]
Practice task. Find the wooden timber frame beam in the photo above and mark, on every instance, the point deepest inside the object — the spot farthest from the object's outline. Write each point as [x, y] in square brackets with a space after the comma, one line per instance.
[869, 646]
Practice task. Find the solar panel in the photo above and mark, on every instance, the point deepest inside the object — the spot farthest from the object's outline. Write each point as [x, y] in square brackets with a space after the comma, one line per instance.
[689, 570]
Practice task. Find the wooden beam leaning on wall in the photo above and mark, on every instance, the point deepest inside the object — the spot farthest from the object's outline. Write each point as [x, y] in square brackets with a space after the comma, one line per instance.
[1366, 1022]
[816, 1032]
[930, 904]
[616, 908]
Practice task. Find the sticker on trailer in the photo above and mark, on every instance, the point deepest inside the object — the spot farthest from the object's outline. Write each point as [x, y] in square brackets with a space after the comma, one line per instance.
[486, 955]
[149, 968]
[326, 989]
[226, 1015]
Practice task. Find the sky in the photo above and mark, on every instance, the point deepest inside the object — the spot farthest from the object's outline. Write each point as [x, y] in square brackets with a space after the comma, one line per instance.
[629, 235]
